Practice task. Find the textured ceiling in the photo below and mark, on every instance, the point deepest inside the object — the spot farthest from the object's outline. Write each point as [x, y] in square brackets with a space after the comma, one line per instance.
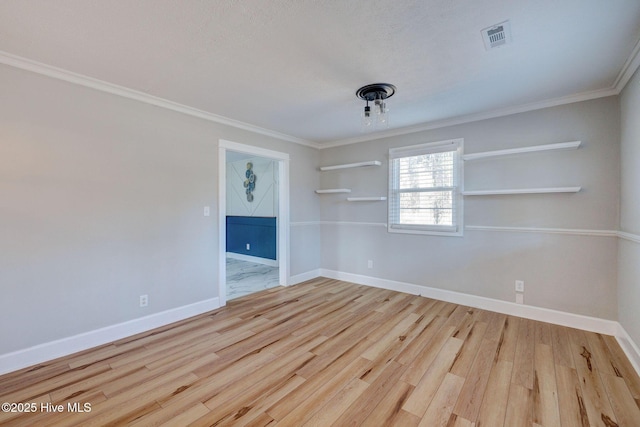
[293, 66]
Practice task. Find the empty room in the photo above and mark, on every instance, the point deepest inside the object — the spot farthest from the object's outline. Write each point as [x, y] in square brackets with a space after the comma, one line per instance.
[303, 213]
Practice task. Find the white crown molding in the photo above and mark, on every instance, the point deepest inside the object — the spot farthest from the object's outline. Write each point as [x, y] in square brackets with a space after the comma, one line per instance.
[63, 347]
[626, 72]
[630, 66]
[502, 112]
[90, 82]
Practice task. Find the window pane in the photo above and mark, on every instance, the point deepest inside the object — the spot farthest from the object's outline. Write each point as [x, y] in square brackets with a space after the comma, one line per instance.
[427, 208]
[427, 171]
[424, 188]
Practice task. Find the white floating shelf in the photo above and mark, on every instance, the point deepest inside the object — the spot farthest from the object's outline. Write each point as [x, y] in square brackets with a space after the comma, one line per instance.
[523, 191]
[366, 199]
[351, 165]
[333, 190]
[535, 148]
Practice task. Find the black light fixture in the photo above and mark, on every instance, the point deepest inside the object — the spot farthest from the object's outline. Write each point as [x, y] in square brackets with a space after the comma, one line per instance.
[376, 93]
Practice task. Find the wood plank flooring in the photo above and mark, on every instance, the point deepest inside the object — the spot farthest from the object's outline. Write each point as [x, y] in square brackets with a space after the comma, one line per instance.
[331, 353]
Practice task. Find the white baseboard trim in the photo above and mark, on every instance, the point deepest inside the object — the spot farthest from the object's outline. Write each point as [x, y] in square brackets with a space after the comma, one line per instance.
[63, 347]
[257, 260]
[587, 323]
[630, 348]
[45, 352]
[579, 321]
[303, 277]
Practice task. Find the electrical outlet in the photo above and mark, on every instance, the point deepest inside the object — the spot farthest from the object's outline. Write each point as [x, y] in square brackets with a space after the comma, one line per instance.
[519, 298]
[248, 247]
[207, 211]
[519, 285]
[144, 300]
[370, 264]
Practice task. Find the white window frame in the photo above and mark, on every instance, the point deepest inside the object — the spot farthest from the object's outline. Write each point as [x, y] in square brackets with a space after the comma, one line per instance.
[456, 145]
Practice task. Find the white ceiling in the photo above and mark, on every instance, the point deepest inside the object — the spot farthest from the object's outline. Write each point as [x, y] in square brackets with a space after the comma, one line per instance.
[293, 66]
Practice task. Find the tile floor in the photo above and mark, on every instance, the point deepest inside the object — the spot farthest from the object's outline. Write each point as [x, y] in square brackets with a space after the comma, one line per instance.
[244, 278]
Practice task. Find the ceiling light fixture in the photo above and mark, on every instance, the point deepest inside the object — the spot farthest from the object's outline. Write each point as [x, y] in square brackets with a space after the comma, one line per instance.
[376, 93]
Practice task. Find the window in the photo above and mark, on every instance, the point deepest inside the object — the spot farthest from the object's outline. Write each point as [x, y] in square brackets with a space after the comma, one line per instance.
[425, 188]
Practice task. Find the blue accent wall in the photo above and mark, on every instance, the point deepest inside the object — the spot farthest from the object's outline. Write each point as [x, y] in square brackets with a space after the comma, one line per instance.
[259, 232]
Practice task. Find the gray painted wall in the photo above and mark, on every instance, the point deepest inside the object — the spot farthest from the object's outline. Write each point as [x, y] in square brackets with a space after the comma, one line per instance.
[629, 252]
[101, 200]
[573, 273]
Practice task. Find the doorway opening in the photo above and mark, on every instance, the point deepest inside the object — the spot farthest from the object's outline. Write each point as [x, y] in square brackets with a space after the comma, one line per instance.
[253, 200]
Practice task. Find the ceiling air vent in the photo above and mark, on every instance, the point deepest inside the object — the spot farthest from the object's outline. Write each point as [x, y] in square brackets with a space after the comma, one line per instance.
[497, 35]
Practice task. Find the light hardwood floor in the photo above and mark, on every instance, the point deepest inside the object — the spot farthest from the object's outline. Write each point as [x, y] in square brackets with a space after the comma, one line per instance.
[333, 353]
